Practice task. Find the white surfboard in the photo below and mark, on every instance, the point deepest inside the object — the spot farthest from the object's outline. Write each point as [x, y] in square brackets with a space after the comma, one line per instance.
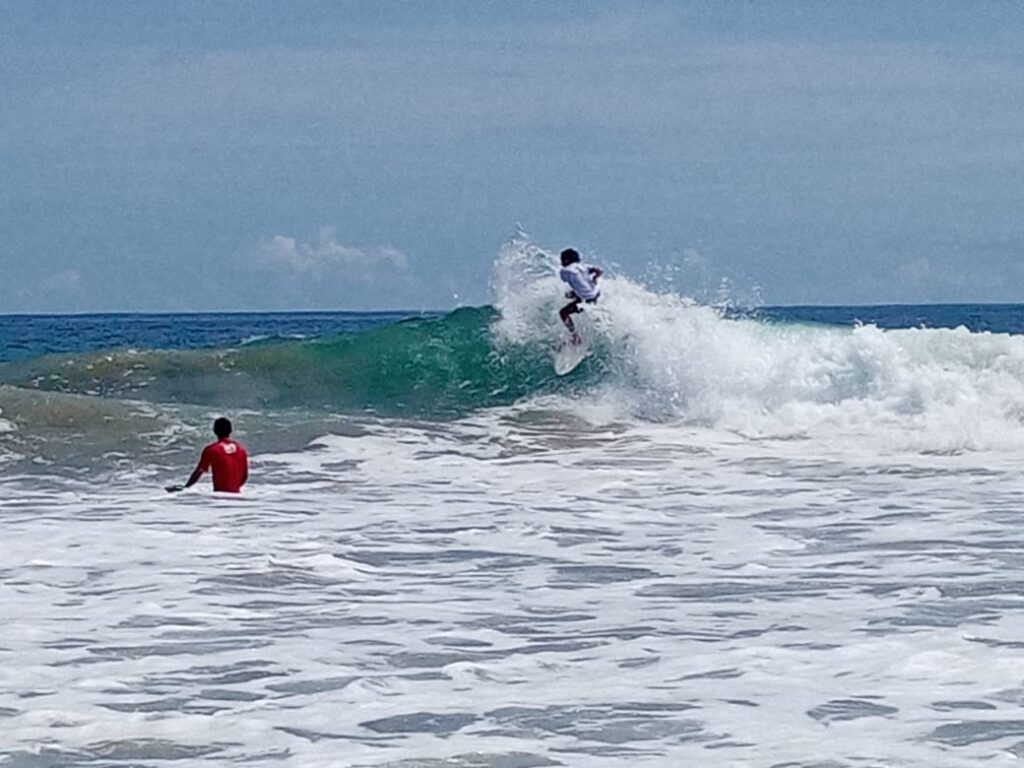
[569, 355]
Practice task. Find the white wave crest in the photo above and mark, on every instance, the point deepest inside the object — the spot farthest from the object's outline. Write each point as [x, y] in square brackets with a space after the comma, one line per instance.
[666, 357]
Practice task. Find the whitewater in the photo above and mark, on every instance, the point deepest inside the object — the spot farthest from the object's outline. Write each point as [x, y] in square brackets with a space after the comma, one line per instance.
[727, 539]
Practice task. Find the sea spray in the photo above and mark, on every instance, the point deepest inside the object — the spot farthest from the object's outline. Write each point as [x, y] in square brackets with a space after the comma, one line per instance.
[665, 357]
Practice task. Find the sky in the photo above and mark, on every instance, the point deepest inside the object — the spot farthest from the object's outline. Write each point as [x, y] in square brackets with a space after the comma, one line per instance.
[161, 155]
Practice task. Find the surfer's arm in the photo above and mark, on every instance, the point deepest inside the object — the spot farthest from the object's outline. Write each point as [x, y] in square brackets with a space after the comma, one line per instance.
[201, 467]
[192, 480]
[595, 272]
[194, 477]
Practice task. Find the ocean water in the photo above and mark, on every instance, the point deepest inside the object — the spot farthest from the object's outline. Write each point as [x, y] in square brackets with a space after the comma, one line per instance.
[780, 537]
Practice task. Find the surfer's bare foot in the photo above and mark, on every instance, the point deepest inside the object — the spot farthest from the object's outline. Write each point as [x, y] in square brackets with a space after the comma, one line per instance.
[575, 340]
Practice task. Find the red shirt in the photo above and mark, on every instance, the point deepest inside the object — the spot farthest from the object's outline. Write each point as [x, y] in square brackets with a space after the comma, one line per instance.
[229, 462]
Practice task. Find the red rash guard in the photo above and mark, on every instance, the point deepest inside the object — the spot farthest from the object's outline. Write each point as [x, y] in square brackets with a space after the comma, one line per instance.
[229, 462]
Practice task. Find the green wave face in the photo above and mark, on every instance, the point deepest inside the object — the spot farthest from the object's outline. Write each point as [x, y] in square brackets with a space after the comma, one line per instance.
[425, 367]
[428, 367]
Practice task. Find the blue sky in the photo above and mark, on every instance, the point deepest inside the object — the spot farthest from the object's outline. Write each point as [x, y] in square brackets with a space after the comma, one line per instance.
[164, 156]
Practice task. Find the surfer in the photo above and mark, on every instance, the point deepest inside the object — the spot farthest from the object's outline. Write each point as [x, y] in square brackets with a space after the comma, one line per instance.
[227, 458]
[582, 280]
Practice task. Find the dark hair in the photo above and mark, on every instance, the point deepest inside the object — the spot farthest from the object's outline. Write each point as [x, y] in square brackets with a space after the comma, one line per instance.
[222, 427]
[569, 256]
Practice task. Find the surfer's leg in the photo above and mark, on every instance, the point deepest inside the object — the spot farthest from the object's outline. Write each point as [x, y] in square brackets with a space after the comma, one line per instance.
[566, 313]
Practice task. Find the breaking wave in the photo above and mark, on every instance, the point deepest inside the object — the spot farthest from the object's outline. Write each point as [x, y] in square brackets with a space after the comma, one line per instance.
[656, 356]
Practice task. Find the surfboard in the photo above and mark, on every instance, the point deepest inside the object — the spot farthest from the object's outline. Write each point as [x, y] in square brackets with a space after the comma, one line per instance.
[569, 355]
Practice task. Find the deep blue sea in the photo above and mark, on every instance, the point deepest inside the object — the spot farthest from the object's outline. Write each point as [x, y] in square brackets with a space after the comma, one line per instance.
[788, 536]
[28, 336]
[24, 337]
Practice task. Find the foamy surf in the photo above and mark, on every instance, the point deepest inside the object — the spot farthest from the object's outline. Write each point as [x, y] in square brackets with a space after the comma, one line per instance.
[663, 357]
[515, 588]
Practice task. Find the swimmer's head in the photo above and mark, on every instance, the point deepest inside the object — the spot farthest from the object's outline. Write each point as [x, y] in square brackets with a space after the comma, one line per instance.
[222, 428]
[569, 256]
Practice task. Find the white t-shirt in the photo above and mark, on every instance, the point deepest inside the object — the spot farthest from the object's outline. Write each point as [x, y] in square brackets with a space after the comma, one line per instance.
[579, 279]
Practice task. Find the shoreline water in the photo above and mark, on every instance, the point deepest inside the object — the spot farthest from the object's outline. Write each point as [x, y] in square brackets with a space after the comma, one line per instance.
[518, 589]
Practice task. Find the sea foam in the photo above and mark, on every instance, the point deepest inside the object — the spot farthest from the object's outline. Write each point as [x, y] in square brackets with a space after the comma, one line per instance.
[662, 356]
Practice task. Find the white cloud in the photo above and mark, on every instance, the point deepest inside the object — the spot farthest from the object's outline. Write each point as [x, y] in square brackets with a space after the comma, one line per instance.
[326, 255]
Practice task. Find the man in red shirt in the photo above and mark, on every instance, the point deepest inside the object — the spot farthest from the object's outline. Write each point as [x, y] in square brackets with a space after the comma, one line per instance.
[227, 459]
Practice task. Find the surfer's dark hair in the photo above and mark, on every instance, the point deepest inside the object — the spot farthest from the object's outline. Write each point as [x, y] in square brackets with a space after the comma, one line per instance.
[569, 256]
[222, 427]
